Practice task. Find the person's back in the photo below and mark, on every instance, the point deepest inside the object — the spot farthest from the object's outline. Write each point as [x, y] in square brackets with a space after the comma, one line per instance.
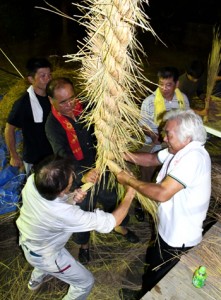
[29, 113]
[49, 215]
[38, 223]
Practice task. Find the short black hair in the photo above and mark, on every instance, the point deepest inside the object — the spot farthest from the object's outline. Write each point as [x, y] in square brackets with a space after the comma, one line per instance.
[52, 176]
[195, 69]
[168, 72]
[57, 83]
[35, 63]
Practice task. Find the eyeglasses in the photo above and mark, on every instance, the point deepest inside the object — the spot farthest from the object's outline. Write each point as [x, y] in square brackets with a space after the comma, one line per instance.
[67, 101]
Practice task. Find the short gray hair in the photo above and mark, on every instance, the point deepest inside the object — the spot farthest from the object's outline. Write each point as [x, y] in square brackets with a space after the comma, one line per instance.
[190, 125]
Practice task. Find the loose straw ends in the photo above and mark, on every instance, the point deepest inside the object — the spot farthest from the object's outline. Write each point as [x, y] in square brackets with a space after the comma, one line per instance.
[11, 63]
[114, 167]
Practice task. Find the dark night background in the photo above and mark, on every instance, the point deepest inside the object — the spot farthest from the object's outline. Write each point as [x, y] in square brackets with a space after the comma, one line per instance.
[26, 31]
[185, 26]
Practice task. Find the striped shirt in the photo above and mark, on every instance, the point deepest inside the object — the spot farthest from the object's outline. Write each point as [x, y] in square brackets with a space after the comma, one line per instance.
[147, 112]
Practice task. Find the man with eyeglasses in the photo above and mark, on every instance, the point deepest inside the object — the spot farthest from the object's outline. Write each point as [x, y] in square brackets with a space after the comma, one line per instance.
[70, 137]
[166, 97]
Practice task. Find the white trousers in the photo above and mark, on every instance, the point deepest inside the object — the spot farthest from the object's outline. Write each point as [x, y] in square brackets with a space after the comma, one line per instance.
[63, 266]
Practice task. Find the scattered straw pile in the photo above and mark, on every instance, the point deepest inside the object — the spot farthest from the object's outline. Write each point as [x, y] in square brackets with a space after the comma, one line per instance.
[115, 263]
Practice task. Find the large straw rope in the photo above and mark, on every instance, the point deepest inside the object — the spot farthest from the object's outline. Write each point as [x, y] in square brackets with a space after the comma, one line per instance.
[109, 74]
[111, 78]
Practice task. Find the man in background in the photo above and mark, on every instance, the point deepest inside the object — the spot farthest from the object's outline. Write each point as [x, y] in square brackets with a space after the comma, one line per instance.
[29, 113]
[193, 82]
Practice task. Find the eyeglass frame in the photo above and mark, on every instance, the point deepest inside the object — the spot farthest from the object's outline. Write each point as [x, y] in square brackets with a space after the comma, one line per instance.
[66, 101]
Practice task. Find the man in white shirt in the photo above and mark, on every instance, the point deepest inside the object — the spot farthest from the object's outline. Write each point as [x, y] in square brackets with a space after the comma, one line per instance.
[183, 191]
[48, 218]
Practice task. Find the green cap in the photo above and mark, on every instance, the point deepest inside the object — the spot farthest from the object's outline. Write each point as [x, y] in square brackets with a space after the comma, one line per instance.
[202, 270]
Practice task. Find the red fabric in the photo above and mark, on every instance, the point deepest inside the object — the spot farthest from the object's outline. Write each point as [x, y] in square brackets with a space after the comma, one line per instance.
[70, 131]
[78, 108]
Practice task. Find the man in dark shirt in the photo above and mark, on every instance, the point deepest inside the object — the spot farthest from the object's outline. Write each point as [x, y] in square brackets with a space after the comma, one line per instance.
[193, 82]
[70, 137]
[29, 113]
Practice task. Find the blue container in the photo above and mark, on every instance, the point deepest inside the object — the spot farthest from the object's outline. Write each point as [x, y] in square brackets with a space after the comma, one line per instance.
[8, 201]
[7, 174]
[3, 159]
[10, 192]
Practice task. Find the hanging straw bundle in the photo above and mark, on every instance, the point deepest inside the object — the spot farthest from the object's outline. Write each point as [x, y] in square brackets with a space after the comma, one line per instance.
[109, 74]
[213, 67]
[112, 77]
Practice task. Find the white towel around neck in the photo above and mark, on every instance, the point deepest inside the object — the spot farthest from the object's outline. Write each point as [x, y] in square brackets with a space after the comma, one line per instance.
[35, 106]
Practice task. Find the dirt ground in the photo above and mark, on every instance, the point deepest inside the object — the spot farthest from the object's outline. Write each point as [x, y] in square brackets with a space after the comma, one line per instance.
[115, 262]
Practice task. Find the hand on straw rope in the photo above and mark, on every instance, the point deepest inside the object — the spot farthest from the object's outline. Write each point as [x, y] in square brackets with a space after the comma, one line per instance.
[123, 177]
[204, 112]
[91, 176]
[77, 196]
[130, 192]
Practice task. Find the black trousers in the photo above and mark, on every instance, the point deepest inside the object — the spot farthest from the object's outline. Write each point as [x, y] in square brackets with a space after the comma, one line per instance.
[160, 259]
[107, 198]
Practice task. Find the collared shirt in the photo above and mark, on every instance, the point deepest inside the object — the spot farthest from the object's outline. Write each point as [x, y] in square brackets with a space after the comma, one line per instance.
[147, 112]
[181, 218]
[46, 226]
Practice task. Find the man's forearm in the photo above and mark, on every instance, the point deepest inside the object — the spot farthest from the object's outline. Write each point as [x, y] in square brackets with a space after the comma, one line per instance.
[142, 159]
[154, 136]
[121, 211]
[159, 192]
[10, 140]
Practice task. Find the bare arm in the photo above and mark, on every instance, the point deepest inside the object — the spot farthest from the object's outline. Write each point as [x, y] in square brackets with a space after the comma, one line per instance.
[203, 112]
[142, 159]
[159, 192]
[154, 136]
[91, 176]
[121, 211]
[15, 159]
